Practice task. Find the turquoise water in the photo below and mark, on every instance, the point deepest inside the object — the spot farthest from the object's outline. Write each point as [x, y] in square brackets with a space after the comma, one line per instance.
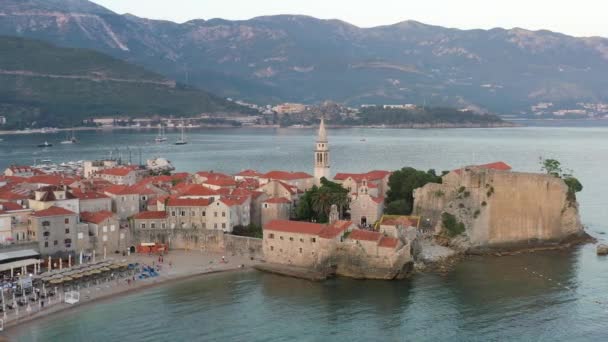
[485, 299]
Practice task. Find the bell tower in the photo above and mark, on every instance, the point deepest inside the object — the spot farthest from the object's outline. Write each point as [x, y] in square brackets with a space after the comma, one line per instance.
[321, 155]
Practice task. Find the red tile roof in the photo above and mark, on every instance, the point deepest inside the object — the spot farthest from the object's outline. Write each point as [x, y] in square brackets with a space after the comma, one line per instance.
[14, 195]
[10, 206]
[53, 211]
[95, 217]
[196, 190]
[364, 235]
[117, 171]
[220, 181]
[249, 173]
[277, 200]
[294, 227]
[370, 176]
[87, 195]
[150, 215]
[116, 189]
[388, 242]
[330, 232]
[188, 202]
[232, 201]
[51, 180]
[499, 166]
[286, 176]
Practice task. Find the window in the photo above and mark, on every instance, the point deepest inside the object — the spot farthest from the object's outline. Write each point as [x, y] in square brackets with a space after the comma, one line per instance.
[163, 225]
[301, 240]
[144, 198]
[300, 250]
[192, 213]
[223, 225]
[67, 220]
[271, 236]
[313, 240]
[215, 214]
[172, 213]
[55, 243]
[172, 225]
[143, 226]
[272, 248]
[290, 239]
[152, 225]
[80, 236]
[112, 228]
[183, 213]
[46, 243]
[122, 236]
[204, 213]
[67, 241]
[281, 238]
[67, 231]
[105, 229]
[46, 224]
[105, 238]
[46, 234]
[265, 205]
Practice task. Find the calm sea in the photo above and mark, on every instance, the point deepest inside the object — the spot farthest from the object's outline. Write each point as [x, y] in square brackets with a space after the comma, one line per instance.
[560, 295]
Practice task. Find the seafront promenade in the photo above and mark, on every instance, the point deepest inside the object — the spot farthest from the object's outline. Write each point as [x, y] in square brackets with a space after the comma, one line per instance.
[176, 265]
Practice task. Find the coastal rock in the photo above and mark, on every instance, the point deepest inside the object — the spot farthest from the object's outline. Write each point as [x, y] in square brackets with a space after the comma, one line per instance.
[501, 210]
[602, 249]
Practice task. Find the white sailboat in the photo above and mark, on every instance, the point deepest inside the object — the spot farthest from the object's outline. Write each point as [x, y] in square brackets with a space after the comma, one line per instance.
[161, 134]
[70, 140]
[182, 140]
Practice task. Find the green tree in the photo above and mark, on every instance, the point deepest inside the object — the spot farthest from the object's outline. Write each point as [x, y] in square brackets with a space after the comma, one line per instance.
[551, 166]
[400, 196]
[316, 203]
[554, 168]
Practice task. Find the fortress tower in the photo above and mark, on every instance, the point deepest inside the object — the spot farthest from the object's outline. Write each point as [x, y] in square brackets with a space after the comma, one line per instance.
[321, 155]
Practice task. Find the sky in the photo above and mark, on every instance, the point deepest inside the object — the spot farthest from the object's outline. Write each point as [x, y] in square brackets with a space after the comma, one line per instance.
[577, 18]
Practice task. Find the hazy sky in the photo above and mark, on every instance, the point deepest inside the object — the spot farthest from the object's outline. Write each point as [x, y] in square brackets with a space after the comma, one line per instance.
[575, 17]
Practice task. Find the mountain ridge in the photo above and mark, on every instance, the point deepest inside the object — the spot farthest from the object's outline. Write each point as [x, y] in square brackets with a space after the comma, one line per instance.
[270, 59]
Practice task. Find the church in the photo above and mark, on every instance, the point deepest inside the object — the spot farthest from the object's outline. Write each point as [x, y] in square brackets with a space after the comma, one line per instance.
[366, 190]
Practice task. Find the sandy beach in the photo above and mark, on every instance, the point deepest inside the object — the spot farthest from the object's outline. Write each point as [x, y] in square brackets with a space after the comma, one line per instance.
[177, 266]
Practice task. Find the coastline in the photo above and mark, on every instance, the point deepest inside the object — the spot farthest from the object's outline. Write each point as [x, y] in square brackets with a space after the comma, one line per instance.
[183, 272]
[401, 126]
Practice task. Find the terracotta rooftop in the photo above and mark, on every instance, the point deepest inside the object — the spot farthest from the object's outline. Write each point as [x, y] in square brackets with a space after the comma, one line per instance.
[188, 202]
[220, 181]
[117, 171]
[51, 180]
[196, 190]
[286, 176]
[232, 201]
[364, 235]
[370, 176]
[86, 195]
[278, 200]
[388, 242]
[499, 166]
[249, 173]
[295, 227]
[330, 232]
[406, 221]
[150, 215]
[95, 217]
[10, 206]
[53, 211]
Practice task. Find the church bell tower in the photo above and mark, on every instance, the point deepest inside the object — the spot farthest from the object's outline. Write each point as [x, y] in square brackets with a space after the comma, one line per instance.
[321, 155]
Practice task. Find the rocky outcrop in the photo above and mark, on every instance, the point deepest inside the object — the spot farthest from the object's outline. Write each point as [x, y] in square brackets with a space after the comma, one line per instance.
[352, 261]
[500, 209]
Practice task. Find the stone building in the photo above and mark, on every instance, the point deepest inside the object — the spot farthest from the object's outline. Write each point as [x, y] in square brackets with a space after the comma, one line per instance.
[123, 175]
[56, 230]
[188, 213]
[125, 200]
[276, 208]
[92, 201]
[376, 181]
[300, 180]
[105, 234]
[365, 209]
[150, 220]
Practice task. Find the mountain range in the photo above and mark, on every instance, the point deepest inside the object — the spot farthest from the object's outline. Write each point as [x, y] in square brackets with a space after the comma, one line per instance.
[303, 59]
[45, 85]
